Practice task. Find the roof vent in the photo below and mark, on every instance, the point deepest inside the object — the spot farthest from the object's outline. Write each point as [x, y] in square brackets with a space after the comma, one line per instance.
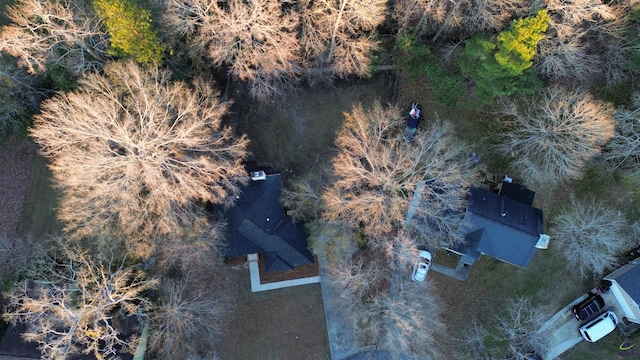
[258, 175]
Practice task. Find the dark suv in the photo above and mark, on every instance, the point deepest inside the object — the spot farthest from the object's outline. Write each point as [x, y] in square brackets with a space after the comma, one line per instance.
[588, 307]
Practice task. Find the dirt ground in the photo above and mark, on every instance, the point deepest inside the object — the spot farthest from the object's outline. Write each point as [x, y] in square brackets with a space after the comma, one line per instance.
[16, 158]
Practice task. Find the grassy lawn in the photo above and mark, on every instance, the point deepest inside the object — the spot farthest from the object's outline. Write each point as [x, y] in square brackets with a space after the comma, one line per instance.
[607, 348]
[295, 135]
[38, 217]
[278, 324]
[547, 280]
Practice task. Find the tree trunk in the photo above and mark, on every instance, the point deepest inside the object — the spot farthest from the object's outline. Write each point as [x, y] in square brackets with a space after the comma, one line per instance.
[332, 47]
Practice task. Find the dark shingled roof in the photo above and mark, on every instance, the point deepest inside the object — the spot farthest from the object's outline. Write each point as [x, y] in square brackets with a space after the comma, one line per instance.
[500, 227]
[258, 224]
[630, 282]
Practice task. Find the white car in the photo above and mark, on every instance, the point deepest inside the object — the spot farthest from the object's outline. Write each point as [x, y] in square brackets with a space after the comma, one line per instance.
[422, 266]
[599, 327]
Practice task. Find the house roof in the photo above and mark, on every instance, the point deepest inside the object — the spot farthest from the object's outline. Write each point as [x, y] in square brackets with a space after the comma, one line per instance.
[625, 287]
[630, 282]
[500, 227]
[258, 224]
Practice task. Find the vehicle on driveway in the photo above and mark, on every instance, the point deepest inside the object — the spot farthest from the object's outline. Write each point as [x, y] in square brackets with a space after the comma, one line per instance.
[421, 267]
[599, 327]
[588, 307]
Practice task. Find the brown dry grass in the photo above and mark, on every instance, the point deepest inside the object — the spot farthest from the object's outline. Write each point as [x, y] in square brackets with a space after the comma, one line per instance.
[285, 324]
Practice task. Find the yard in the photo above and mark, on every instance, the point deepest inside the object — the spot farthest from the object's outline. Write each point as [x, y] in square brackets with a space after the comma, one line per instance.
[295, 136]
[278, 324]
[303, 127]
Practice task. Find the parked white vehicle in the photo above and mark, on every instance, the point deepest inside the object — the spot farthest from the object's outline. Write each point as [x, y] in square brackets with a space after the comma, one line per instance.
[599, 327]
[421, 267]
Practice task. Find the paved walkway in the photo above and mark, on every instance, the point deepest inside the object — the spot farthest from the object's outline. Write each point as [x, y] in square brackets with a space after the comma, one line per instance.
[256, 286]
[340, 327]
[461, 272]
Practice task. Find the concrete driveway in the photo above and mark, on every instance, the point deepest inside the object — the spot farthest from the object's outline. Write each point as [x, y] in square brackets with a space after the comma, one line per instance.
[562, 328]
[562, 331]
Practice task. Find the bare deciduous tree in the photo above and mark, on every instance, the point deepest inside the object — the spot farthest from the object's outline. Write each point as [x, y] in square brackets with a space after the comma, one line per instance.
[339, 34]
[586, 43]
[304, 197]
[18, 97]
[552, 135]
[514, 336]
[15, 254]
[381, 178]
[64, 33]
[518, 325]
[190, 250]
[623, 150]
[409, 322]
[360, 279]
[135, 152]
[73, 300]
[256, 39]
[591, 236]
[189, 318]
[456, 19]
[473, 343]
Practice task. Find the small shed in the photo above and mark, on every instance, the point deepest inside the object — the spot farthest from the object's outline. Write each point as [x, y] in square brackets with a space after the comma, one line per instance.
[625, 287]
[500, 227]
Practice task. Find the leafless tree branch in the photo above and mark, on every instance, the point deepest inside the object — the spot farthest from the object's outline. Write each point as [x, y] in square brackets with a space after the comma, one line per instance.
[135, 152]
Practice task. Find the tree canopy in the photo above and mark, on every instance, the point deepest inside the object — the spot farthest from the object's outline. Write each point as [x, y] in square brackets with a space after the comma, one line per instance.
[378, 175]
[130, 29]
[135, 152]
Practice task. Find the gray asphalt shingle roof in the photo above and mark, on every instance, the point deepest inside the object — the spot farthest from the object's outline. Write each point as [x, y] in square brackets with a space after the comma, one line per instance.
[500, 227]
[258, 224]
[630, 282]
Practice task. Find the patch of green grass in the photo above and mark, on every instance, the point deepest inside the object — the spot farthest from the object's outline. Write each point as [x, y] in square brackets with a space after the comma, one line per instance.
[593, 180]
[607, 348]
[620, 94]
[615, 188]
[630, 183]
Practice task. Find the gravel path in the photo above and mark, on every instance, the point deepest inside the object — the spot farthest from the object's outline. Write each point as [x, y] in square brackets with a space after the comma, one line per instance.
[16, 159]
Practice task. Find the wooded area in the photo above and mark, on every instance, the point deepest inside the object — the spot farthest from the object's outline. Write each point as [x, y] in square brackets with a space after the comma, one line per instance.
[125, 101]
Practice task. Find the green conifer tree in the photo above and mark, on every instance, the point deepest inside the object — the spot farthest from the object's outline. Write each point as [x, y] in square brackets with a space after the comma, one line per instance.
[502, 66]
[516, 46]
[129, 26]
